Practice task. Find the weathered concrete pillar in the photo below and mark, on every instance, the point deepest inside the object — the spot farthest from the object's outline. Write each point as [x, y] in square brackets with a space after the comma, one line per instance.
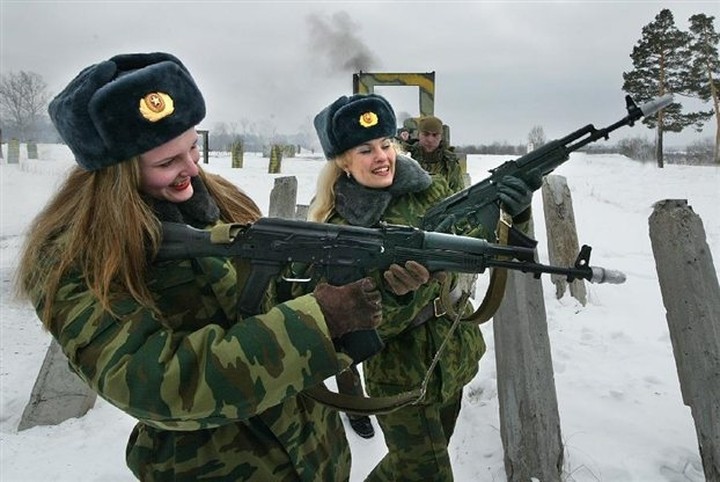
[13, 151]
[283, 198]
[467, 281]
[237, 154]
[275, 164]
[529, 419]
[562, 238]
[58, 393]
[32, 149]
[691, 295]
[462, 160]
[301, 211]
[205, 136]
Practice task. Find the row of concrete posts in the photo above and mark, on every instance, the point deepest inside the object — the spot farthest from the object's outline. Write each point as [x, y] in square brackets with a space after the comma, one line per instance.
[13, 151]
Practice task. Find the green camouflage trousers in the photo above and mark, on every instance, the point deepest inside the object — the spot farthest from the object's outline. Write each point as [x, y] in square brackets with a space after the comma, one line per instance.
[417, 437]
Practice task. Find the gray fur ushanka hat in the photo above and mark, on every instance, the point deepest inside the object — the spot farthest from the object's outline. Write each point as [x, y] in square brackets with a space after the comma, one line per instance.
[119, 108]
[350, 121]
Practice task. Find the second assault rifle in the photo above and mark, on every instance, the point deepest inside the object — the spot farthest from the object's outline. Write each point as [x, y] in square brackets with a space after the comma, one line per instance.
[478, 199]
[342, 254]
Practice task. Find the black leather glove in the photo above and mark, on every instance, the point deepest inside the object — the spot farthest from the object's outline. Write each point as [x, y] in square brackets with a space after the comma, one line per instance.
[352, 307]
[516, 194]
[404, 280]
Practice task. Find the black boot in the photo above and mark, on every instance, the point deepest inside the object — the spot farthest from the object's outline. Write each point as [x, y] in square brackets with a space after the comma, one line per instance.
[362, 425]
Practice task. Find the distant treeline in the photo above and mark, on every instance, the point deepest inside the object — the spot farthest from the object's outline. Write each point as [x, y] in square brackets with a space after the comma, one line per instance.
[636, 148]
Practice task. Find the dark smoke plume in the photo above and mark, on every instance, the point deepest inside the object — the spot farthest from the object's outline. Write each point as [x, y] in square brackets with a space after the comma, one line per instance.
[338, 41]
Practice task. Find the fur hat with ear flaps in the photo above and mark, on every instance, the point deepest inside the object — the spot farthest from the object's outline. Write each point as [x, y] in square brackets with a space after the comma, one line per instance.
[124, 106]
[350, 121]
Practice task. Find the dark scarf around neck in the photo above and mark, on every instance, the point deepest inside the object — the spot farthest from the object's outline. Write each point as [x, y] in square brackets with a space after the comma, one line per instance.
[364, 206]
[199, 211]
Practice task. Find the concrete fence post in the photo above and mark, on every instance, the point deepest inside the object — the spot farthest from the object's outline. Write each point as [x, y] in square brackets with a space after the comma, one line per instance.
[205, 135]
[237, 155]
[562, 238]
[301, 211]
[529, 418]
[283, 198]
[467, 281]
[32, 149]
[275, 163]
[691, 295]
[58, 393]
[13, 156]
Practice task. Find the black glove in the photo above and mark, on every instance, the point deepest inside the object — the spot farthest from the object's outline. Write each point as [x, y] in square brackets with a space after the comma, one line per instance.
[352, 307]
[516, 194]
[404, 280]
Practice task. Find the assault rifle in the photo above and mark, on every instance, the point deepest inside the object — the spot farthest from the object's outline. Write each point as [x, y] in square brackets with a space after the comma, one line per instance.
[478, 203]
[342, 254]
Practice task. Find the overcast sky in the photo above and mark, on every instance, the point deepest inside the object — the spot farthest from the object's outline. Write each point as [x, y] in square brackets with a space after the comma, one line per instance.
[501, 67]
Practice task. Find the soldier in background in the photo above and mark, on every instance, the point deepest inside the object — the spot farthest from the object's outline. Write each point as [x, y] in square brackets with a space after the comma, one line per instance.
[433, 154]
[403, 135]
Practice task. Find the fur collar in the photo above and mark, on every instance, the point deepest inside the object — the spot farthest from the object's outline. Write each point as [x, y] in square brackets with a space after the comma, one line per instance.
[199, 211]
[363, 206]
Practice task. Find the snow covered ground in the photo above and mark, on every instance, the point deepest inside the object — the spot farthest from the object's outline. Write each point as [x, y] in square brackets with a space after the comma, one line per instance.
[621, 412]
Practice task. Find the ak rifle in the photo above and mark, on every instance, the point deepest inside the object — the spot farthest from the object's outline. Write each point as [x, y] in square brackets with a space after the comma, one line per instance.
[341, 254]
[480, 204]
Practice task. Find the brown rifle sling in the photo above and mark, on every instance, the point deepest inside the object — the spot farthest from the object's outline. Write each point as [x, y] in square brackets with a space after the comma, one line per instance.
[498, 278]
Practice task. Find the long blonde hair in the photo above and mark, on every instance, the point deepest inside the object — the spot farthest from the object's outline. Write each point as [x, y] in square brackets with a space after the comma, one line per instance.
[323, 204]
[98, 225]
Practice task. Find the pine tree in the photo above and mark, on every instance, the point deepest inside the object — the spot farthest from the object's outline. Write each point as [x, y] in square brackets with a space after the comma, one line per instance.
[659, 59]
[703, 78]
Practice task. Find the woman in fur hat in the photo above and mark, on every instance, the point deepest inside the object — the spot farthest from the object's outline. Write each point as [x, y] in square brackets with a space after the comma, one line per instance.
[217, 394]
[366, 182]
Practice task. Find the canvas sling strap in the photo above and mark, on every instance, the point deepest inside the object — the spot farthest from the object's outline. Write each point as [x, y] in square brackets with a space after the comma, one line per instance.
[498, 279]
[359, 405]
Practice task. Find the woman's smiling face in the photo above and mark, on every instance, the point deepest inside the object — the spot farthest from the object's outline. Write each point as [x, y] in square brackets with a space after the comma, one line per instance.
[166, 170]
[372, 163]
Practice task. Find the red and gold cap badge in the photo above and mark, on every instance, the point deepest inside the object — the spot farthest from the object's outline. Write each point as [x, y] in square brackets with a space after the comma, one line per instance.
[368, 119]
[156, 105]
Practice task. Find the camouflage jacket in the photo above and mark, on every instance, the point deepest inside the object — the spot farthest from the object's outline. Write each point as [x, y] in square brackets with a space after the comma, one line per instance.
[408, 351]
[215, 395]
[442, 161]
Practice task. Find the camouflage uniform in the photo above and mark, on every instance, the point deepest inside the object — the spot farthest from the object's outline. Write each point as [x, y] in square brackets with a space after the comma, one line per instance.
[441, 161]
[243, 416]
[417, 436]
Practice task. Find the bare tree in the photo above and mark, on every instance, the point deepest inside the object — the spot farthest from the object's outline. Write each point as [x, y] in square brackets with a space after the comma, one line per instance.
[23, 101]
[536, 137]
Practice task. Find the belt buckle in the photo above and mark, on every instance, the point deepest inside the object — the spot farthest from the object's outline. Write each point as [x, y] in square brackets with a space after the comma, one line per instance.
[438, 308]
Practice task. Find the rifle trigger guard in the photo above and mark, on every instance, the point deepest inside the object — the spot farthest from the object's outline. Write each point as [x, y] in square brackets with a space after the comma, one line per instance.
[296, 280]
